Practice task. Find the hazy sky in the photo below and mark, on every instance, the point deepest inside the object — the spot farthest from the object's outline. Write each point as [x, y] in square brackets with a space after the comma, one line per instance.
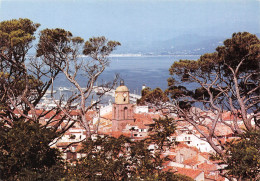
[132, 20]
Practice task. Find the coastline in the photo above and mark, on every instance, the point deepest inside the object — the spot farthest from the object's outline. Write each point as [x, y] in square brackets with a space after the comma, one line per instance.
[149, 55]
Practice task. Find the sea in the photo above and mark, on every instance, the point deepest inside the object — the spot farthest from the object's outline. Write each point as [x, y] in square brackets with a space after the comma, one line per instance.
[136, 71]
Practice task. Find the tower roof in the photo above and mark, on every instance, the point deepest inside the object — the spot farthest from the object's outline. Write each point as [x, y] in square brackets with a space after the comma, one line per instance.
[122, 88]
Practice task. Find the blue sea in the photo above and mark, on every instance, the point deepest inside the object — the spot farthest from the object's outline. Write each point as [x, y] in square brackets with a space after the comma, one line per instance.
[153, 71]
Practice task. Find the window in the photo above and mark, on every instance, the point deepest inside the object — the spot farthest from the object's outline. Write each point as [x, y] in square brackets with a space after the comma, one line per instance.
[125, 113]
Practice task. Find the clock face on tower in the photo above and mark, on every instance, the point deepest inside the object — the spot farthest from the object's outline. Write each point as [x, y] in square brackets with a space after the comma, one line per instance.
[124, 95]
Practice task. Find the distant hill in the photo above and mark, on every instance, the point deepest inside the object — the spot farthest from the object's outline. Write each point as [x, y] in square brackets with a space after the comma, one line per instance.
[189, 44]
[184, 44]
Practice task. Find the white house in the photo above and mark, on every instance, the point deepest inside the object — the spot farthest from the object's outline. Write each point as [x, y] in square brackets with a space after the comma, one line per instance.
[195, 141]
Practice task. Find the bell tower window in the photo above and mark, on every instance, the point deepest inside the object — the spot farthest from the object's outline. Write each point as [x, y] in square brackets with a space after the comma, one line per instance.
[125, 113]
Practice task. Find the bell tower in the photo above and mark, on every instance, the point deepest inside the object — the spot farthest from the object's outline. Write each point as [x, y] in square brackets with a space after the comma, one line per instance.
[122, 112]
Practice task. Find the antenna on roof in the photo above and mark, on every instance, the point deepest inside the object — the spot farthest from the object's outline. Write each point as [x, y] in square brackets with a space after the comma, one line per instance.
[122, 82]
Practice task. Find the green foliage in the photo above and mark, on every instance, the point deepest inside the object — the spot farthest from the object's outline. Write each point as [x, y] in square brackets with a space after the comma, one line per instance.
[146, 91]
[16, 37]
[25, 152]
[176, 177]
[161, 132]
[241, 45]
[177, 67]
[105, 160]
[156, 96]
[55, 46]
[52, 39]
[243, 156]
[99, 46]
[15, 34]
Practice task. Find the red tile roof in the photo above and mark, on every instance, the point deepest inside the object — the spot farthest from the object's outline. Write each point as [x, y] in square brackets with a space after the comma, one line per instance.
[189, 172]
[207, 167]
[182, 145]
[191, 161]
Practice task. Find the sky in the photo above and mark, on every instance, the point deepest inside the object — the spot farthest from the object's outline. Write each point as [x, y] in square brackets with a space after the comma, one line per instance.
[138, 20]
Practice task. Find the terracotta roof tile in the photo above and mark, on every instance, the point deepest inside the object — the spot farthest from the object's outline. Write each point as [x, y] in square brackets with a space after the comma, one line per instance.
[182, 145]
[189, 172]
[191, 161]
[207, 167]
